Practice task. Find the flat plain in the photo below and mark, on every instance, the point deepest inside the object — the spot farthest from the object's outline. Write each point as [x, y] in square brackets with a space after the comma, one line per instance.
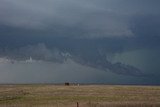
[41, 95]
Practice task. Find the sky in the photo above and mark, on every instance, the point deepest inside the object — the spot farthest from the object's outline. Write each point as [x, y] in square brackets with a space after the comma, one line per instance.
[80, 41]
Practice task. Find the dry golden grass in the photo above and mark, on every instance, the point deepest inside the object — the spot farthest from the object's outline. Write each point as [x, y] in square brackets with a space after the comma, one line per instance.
[86, 95]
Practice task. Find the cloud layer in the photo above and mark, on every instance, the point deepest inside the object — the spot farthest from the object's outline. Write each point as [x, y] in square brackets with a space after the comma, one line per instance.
[91, 17]
[90, 33]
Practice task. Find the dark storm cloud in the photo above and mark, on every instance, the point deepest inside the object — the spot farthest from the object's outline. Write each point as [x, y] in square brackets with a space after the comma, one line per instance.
[146, 30]
[93, 18]
[90, 17]
[85, 31]
[87, 52]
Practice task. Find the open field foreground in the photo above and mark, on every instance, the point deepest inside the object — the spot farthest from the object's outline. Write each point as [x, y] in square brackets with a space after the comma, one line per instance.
[86, 96]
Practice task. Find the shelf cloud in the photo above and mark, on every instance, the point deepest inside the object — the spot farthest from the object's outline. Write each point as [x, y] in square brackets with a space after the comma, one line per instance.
[104, 36]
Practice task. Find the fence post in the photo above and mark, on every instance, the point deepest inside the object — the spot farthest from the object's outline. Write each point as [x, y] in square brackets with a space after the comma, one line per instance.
[77, 104]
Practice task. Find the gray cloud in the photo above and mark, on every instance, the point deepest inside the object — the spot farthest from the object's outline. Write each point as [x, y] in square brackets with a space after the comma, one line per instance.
[99, 61]
[42, 72]
[92, 17]
[89, 32]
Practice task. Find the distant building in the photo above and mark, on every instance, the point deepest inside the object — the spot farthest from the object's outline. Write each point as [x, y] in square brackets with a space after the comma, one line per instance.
[67, 84]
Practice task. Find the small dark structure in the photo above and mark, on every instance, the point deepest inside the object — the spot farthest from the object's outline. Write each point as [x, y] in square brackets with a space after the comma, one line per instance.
[77, 104]
[67, 84]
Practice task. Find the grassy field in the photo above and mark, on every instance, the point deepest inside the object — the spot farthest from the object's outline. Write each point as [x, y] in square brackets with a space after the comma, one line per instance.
[85, 95]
